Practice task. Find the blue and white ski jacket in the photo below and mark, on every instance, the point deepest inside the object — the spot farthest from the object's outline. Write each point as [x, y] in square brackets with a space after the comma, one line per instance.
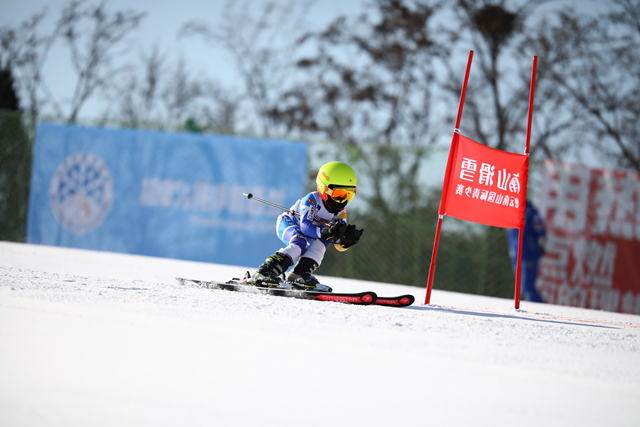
[312, 215]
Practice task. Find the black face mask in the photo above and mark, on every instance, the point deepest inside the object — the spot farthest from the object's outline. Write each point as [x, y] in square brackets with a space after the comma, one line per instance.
[333, 206]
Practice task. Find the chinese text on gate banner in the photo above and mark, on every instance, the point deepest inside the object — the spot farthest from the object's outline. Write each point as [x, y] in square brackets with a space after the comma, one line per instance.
[592, 257]
[485, 185]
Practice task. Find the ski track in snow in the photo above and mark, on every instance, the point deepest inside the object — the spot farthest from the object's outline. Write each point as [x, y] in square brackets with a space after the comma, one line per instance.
[102, 339]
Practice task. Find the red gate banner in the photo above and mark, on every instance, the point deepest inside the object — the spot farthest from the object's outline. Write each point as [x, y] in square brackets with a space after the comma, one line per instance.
[485, 185]
[592, 257]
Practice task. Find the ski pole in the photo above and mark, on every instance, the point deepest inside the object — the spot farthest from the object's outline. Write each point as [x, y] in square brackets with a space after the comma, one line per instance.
[250, 196]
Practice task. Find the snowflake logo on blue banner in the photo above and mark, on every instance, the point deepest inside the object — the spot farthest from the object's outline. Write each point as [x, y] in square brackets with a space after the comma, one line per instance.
[81, 192]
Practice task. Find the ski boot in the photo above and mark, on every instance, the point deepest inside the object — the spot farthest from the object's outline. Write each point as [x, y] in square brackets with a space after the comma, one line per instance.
[269, 273]
[301, 277]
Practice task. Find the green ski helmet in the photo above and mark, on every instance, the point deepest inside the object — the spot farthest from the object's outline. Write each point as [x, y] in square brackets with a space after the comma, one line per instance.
[336, 182]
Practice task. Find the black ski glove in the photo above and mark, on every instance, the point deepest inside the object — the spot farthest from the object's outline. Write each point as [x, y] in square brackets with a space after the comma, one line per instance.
[351, 236]
[333, 231]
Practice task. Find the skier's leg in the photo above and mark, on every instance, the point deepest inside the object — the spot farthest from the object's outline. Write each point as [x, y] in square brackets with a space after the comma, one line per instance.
[302, 273]
[277, 264]
[270, 271]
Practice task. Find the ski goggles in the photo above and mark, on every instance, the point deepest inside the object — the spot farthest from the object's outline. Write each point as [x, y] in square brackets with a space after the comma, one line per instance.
[341, 194]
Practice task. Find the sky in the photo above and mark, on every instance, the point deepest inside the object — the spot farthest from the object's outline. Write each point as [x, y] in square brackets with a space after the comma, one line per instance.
[102, 339]
[160, 27]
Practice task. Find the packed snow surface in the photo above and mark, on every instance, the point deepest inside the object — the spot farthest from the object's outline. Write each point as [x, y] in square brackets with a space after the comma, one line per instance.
[101, 339]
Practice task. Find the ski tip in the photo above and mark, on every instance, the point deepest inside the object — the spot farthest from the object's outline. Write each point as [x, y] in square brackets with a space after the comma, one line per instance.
[399, 301]
[369, 298]
[406, 300]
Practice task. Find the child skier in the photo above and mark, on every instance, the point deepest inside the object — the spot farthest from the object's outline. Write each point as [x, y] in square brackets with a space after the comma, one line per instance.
[322, 220]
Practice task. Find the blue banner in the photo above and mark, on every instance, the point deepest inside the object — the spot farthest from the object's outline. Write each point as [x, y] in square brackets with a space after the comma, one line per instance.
[174, 195]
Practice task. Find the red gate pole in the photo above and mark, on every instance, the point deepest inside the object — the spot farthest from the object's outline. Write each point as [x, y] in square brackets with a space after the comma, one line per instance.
[442, 208]
[532, 91]
[527, 150]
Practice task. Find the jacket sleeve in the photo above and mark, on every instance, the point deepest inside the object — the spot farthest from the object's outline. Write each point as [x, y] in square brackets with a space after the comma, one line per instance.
[308, 209]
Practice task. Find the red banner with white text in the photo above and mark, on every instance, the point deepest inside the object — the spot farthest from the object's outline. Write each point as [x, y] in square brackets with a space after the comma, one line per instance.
[485, 185]
[592, 257]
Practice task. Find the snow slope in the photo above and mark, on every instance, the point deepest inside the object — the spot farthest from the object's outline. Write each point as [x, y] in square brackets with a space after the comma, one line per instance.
[102, 339]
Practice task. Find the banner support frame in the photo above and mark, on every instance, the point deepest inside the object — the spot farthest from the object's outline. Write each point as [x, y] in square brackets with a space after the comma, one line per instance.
[454, 139]
[527, 151]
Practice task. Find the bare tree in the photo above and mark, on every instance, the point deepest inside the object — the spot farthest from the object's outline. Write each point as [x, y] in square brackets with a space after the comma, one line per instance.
[26, 52]
[371, 80]
[263, 49]
[155, 94]
[93, 50]
[139, 96]
[220, 109]
[370, 88]
[93, 37]
[593, 64]
[180, 95]
[497, 101]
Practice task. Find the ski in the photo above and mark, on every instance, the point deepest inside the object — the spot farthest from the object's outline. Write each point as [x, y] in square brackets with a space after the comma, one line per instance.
[361, 298]
[399, 301]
